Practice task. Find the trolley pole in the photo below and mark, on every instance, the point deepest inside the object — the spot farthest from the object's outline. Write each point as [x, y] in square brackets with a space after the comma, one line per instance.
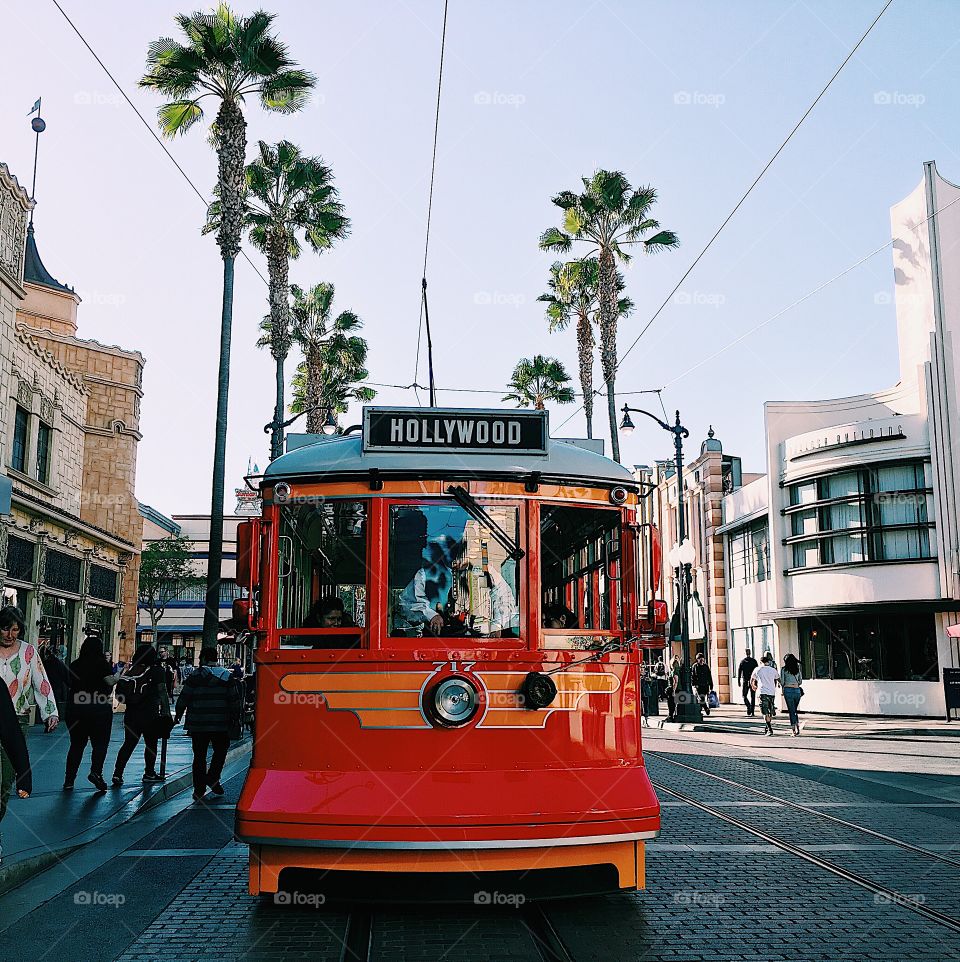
[688, 710]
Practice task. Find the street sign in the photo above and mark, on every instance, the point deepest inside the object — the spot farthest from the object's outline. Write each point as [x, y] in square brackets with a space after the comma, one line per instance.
[951, 690]
[6, 492]
[450, 429]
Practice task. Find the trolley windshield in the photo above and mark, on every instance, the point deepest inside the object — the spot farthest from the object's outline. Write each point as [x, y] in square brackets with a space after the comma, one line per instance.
[448, 574]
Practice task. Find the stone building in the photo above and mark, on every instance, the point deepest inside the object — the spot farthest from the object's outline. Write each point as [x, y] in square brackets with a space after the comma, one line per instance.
[706, 480]
[69, 429]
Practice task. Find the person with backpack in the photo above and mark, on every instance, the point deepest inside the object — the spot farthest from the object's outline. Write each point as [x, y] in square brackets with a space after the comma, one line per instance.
[702, 679]
[764, 681]
[211, 700]
[90, 714]
[791, 682]
[744, 674]
[143, 691]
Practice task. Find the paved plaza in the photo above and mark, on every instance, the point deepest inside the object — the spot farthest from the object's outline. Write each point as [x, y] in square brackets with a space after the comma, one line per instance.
[841, 844]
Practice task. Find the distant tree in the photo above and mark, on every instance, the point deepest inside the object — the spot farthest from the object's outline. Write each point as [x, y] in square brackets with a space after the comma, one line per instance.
[230, 59]
[608, 216]
[287, 196]
[334, 356]
[574, 295]
[539, 380]
[166, 572]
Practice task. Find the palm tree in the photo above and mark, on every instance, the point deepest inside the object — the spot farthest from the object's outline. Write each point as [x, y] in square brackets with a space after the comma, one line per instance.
[334, 356]
[608, 216]
[287, 195]
[575, 295]
[536, 381]
[228, 58]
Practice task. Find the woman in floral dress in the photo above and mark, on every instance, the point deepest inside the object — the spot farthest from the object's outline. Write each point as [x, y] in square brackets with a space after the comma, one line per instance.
[21, 671]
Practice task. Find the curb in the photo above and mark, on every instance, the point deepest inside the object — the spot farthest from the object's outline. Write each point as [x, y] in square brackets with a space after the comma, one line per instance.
[17, 872]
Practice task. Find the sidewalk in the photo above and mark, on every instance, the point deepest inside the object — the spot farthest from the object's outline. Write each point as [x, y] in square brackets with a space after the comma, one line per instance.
[733, 719]
[38, 830]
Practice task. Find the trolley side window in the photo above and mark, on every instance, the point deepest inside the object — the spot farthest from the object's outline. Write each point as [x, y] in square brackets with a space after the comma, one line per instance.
[322, 569]
[449, 577]
[580, 567]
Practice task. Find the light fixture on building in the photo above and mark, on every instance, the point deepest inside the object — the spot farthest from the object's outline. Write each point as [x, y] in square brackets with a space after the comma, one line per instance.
[330, 423]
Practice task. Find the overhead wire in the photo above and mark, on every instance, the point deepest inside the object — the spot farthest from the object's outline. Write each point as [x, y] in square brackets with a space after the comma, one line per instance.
[146, 123]
[424, 310]
[414, 386]
[745, 195]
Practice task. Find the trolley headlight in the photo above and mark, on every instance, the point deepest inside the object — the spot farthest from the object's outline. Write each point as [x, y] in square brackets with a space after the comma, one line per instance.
[453, 702]
[618, 495]
[281, 492]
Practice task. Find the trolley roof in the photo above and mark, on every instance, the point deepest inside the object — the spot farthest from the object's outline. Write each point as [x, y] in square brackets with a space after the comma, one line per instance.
[434, 442]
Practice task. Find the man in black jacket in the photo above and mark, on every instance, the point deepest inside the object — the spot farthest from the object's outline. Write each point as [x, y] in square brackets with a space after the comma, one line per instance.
[744, 674]
[702, 679]
[14, 760]
[211, 699]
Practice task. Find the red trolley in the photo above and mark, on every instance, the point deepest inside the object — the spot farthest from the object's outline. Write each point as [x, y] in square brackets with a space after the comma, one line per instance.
[447, 616]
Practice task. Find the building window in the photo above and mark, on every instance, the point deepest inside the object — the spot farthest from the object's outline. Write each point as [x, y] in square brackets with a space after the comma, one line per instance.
[866, 647]
[868, 515]
[44, 437]
[749, 553]
[62, 572]
[18, 457]
[103, 583]
[229, 591]
[20, 557]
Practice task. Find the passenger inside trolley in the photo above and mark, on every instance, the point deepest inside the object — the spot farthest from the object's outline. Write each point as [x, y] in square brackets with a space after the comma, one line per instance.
[448, 576]
[559, 616]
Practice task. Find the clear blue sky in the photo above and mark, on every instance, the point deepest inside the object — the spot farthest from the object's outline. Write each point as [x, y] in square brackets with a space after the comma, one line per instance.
[692, 97]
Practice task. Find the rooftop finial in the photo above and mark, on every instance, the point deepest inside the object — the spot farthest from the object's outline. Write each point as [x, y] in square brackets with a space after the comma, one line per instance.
[38, 125]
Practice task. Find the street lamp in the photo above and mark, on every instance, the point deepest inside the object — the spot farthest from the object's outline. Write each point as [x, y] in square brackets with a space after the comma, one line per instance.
[680, 557]
[329, 425]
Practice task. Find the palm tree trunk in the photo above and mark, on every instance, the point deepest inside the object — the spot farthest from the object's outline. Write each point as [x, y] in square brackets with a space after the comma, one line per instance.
[278, 269]
[230, 134]
[211, 613]
[585, 345]
[608, 340]
[316, 417]
[276, 441]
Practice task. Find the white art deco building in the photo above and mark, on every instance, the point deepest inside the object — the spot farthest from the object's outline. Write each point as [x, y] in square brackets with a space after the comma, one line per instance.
[849, 547]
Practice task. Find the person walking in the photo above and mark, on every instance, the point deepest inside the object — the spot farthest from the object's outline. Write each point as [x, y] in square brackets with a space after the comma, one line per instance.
[57, 672]
[791, 682]
[23, 673]
[210, 698]
[764, 682]
[90, 715]
[143, 691]
[744, 674]
[702, 679]
[673, 683]
[14, 758]
[660, 671]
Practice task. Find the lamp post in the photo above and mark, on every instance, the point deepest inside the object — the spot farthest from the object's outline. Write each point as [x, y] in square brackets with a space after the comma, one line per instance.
[329, 426]
[680, 557]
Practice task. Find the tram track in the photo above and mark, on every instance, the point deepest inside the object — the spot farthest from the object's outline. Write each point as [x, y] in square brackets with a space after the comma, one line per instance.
[910, 902]
[799, 806]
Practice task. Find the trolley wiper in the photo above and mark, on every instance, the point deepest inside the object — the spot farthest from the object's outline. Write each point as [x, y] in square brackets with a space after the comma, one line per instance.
[477, 512]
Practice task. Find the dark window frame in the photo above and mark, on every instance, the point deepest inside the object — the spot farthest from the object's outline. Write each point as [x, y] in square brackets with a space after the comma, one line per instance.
[21, 439]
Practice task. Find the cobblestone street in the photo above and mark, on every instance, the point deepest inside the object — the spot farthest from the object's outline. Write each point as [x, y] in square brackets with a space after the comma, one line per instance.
[715, 889]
